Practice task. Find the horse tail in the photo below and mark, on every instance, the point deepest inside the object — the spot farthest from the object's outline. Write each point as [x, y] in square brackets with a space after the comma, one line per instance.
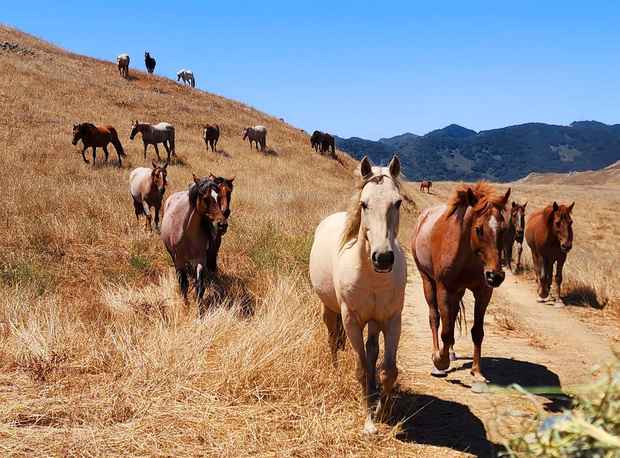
[193, 81]
[172, 148]
[116, 142]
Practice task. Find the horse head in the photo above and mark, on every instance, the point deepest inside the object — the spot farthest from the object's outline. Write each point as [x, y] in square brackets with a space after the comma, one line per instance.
[379, 205]
[135, 128]
[246, 132]
[225, 197]
[562, 225]
[517, 219]
[77, 133]
[204, 195]
[159, 175]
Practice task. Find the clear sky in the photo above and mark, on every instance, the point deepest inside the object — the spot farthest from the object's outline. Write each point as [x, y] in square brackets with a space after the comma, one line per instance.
[368, 69]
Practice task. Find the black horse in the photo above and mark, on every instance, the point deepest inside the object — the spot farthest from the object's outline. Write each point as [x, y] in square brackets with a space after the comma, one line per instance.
[149, 62]
[323, 141]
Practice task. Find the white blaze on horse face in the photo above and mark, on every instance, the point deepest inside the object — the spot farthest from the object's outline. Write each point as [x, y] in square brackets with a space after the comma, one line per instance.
[214, 194]
[493, 224]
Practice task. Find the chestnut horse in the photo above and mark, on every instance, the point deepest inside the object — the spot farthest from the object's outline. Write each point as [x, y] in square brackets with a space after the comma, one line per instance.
[225, 196]
[456, 247]
[549, 234]
[515, 228]
[147, 187]
[93, 136]
[426, 184]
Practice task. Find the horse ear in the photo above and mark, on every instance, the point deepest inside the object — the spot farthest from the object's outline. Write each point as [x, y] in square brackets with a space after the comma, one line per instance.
[555, 207]
[230, 180]
[472, 200]
[394, 166]
[196, 179]
[525, 205]
[211, 176]
[506, 196]
[514, 204]
[365, 167]
[570, 207]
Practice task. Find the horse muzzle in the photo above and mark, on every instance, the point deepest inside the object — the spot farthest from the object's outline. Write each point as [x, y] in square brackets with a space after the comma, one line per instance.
[222, 227]
[566, 247]
[494, 279]
[383, 262]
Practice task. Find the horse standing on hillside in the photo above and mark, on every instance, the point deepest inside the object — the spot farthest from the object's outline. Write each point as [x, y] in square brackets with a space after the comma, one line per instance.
[211, 135]
[456, 247]
[549, 234]
[152, 134]
[122, 61]
[191, 219]
[358, 270]
[323, 142]
[316, 140]
[149, 62]
[224, 199]
[147, 188]
[426, 184]
[93, 136]
[187, 76]
[256, 134]
[514, 231]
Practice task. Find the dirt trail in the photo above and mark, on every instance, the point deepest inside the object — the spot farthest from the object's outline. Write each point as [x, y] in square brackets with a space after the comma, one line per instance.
[526, 342]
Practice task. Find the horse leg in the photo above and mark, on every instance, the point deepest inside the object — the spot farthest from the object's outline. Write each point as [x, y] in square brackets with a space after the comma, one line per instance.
[147, 212]
[167, 148]
[482, 297]
[538, 272]
[212, 251]
[433, 314]
[519, 252]
[83, 154]
[509, 255]
[389, 372]
[137, 206]
[94, 155]
[105, 152]
[157, 208]
[558, 280]
[183, 282]
[200, 289]
[333, 322]
[448, 304]
[546, 276]
[157, 152]
[372, 353]
[144, 143]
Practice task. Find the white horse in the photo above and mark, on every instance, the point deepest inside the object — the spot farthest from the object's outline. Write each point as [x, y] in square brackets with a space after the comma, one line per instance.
[187, 76]
[358, 270]
[152, 134]
[122, 61]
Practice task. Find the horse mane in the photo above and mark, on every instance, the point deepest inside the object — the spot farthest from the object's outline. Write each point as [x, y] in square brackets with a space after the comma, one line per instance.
[485, 194]
[87, 124]
[354, 212]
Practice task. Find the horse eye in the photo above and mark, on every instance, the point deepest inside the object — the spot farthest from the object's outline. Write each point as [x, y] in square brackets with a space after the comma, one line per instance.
[364, 205]
[479, 231]
[398, 202]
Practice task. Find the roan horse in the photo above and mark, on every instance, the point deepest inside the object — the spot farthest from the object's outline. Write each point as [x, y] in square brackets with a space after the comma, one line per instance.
[93, 136]
[549, 234]
[515, 228]
[152, 134]
[122, 61]
[456, 247]
[187, 76]
[211, 135]
[256, 134]
[426, 184]
[224, 199]
[191, 218]
[358, 270]
[147, 188]
[149, 62]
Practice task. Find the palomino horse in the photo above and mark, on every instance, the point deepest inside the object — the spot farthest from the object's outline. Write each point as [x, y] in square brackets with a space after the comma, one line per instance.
[187, 76]
[191, 218]
[426, 184]
[149, 62]
[358, 270]
[456, 247]
[224, 199]
[256, 134]
[152, 134]
[514, 231]
[93, 136]
[211, 135]
[147, 188]
[122, 61]
[549, 234]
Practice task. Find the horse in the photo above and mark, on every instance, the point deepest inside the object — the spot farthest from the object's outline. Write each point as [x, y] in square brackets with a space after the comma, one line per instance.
[358, 270]
[187, 76]
[147, 188]
[456, 247]
[149, 62]
[256, 134]
[93, 136]
[122, 61]
[225, 196]
[152, 134]
[549, 234]
[211, 135]
[316, 140]
[426, 184]
[514, 231]
[191, 218]
[323, 142]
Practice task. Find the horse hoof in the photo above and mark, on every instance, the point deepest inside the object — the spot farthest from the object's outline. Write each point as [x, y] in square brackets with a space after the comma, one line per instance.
[480, 387]
[453, 356]
[369, 427]
[438, 372]
[558, 303]
[541, 300]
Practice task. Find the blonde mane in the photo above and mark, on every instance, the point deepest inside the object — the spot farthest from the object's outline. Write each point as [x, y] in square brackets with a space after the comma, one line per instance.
[354, 212]
[485, 194]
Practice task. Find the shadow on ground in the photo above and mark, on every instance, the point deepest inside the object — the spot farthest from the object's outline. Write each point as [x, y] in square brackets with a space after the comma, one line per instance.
[584, 296]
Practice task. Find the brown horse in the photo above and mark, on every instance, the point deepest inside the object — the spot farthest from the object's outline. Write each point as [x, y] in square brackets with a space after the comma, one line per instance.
[211, 135]
[122, 61]
[93, 136]
[456, 247]
[426, 184]
[147, 188]
[549, 234]
[515, 228]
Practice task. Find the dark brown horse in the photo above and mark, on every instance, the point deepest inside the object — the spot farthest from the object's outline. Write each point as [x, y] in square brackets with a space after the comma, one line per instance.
[323, 142]
[315, 140]
[225, 197]
[456, 247]
[149, 62]
[549, 234]
[211, 135]
[97, 137]
[426, 184]
[515, 228]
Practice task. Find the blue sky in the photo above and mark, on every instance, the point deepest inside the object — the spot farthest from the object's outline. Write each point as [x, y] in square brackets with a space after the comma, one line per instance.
[369, 69]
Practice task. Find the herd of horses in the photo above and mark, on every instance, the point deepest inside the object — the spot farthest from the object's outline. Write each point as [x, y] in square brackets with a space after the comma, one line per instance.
[122, 62]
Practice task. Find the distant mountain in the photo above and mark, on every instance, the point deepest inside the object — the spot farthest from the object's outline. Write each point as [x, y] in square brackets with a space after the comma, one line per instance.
[506, 154]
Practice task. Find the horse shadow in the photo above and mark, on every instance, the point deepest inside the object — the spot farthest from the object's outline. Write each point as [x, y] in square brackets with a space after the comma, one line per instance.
[583, 296]
[110, 164]
[270, 152]
[223, 153]
[503, 372]
[179, 161]
[429, 420]
[227, 290]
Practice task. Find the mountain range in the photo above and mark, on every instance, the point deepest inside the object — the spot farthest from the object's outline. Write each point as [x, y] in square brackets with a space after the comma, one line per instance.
[505, 154]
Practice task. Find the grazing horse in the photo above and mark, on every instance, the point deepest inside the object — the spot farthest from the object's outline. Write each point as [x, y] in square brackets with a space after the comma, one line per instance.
[426, 184]
[358, 270]
[122, 61]
[152, 134]
[549, 234]
[93, 136]
[147, 188]
[225, 196]
[150, 62]
[256, 134]
[456, 247]
[211, 135]
[515, 229]
[191, 218]
[187, 76]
